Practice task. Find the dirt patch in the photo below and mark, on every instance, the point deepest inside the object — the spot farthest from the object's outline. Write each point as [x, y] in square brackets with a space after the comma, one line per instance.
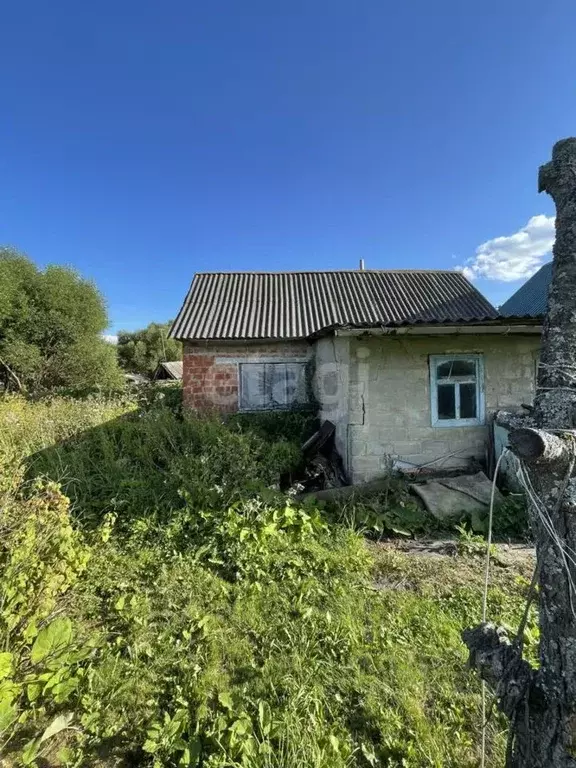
[439, 565]
[514, 555]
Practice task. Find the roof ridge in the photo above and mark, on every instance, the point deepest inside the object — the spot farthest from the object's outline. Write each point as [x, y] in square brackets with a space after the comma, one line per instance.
[325, 271]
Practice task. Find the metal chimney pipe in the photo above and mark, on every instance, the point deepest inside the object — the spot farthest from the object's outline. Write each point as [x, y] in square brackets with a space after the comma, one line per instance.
[362, 264]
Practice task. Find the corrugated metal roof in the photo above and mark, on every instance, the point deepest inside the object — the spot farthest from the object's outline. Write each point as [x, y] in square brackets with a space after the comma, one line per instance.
[173, 369]
[531, 300]
[296, 305]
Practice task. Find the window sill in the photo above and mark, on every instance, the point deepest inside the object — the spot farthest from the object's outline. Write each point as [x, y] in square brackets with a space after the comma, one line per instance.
[277, 408]
[454, 423]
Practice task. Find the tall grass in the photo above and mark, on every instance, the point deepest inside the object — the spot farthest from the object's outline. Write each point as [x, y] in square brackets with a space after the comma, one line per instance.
[217, 623]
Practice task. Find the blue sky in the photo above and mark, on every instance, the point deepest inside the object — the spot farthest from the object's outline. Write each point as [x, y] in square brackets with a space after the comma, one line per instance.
[143, 141]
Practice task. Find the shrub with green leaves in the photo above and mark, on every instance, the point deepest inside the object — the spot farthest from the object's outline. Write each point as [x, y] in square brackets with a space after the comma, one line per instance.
[41, 558]
[51, 325]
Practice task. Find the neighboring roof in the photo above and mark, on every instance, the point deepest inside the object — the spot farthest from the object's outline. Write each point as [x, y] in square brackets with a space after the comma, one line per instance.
[173, 369]
[531, 300]
[297, 305]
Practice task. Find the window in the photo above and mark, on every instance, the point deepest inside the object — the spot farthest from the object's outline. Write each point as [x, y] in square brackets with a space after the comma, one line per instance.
[267, 386]
[456, 388]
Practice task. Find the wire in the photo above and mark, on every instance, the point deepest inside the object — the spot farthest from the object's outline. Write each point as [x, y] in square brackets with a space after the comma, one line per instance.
[485, 593]
[546, 519]
[566, 552]
[489, 541]
[548, 526]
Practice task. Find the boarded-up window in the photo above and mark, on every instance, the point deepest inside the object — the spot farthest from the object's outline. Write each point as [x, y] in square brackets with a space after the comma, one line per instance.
[268, 386]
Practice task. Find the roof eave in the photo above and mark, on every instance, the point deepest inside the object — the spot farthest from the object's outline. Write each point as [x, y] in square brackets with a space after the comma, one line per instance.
[503, 326]
[242, 340]
[497, 324]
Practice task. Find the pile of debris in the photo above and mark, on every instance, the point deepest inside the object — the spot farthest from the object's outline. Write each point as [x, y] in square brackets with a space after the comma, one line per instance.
[445, 494]
[322, 466]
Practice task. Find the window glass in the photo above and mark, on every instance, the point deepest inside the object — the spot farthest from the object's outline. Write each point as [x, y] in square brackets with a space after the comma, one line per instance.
[467, 401]
[455, 390]
[446, 401]
[456, 368]
[276, 385]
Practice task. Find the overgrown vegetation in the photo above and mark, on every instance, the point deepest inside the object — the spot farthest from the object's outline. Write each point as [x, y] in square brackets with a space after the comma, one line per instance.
[394, 511]
[162, 604]
[51, 325]
[141, 351]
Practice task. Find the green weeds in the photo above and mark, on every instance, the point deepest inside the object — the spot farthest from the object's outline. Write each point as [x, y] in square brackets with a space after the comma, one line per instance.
[169, 607]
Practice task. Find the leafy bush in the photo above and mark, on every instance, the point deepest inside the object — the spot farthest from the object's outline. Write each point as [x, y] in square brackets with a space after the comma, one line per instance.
[511, 517]
[41, 558]
[470, 543]
[51, 325]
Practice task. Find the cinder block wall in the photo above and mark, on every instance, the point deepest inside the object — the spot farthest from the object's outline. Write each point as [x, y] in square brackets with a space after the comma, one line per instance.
[210, 371]
[331, 387]
[389, 398]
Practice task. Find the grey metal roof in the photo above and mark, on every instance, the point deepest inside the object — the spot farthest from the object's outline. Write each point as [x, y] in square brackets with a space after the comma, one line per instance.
[173, 368]
[531, 300]
[297, 305]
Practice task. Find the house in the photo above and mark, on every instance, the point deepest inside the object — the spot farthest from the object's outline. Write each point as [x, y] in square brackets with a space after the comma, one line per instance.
[531, 299]
[407, 364]
[168, 371]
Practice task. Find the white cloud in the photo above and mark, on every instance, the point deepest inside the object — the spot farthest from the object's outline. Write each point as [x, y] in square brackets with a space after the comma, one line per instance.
[513, 257]
[111, 338]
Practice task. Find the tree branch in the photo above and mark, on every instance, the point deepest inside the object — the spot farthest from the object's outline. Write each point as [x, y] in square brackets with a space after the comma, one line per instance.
[536, 444]
[11, 373]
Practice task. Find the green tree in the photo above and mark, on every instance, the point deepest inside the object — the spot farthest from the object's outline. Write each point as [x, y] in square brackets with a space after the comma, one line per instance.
[51, 324]
[141, 351]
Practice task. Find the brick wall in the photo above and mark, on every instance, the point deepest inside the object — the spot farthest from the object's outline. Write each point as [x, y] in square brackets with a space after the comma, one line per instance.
[389, 412]
[211, 371]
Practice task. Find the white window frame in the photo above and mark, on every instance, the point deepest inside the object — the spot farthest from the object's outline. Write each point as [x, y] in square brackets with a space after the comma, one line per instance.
[478, 360]
[263, 362]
